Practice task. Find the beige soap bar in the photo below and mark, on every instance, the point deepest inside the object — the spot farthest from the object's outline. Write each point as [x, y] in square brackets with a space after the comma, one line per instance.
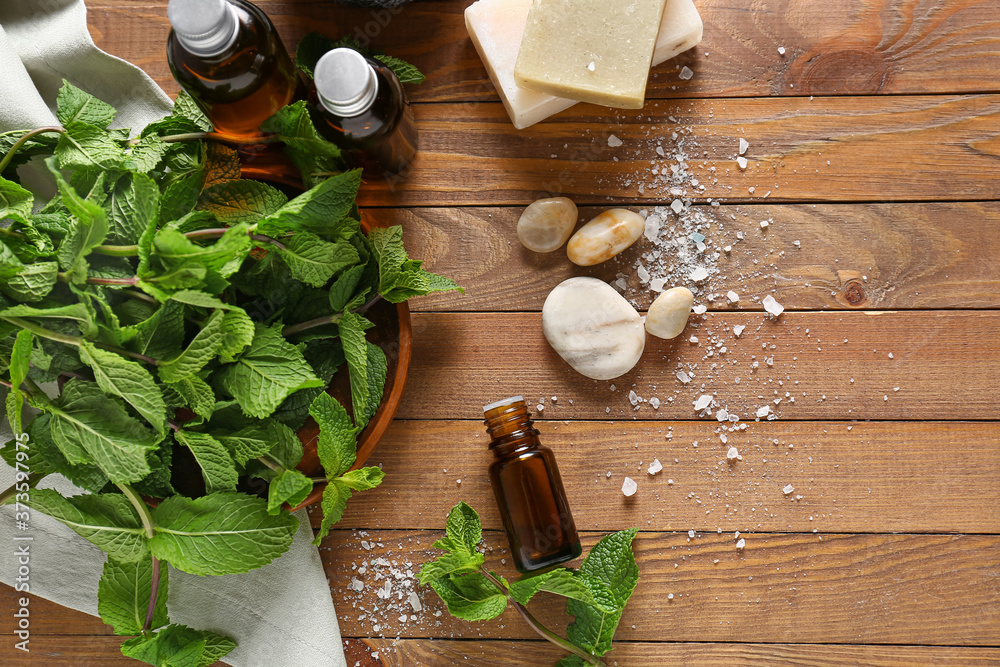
[595, 51]
[496, 28]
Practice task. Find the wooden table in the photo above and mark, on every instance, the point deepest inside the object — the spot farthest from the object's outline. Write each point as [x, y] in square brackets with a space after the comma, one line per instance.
[877, 136]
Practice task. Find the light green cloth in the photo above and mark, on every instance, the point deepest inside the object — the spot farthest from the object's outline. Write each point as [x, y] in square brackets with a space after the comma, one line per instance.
[280, 615]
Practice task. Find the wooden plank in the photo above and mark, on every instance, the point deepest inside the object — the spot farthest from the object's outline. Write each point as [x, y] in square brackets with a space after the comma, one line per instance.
[801, 149]
[408, 652]
[943, 362]
[848, 47]
[875, 477]
[852, 589]
[849, 256]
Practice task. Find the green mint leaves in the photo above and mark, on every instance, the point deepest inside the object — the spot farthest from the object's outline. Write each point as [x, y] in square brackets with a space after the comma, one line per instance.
[596, 593]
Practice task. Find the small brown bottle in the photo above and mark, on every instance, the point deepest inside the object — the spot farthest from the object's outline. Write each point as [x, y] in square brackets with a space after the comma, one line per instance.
[363, 109]
[227, 55]
[528, 489]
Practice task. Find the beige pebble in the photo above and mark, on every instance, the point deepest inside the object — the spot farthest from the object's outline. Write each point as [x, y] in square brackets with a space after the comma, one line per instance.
[547, 224]
[668, 314]
[605, 236]
[593, 328]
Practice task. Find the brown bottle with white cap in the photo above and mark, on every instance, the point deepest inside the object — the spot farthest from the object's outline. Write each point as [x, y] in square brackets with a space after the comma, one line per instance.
[227, 55]
[363, 109]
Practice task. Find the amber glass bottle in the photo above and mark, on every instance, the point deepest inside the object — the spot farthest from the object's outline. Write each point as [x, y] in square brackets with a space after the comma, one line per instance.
[227, 55]
[363, 109]
[528, 489]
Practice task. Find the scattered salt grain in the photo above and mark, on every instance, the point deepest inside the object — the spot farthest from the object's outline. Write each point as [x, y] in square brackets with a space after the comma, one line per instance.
[655, 467]
[699, 274]
[655, 402]
[738, 330]
[356, 585]
[613, 141]
[703, 402]
[772, 306]
[762, 412]
[764, 224]
[733, 454]
[592, 66]
[414, 601]
[722, 415]
[686, 73]
[683, 377]
[629, 487]
[781, 50]
[670, 596]
[677, 206]
[742, 543]
[699, 309]
[788, 489]
[744, 145]
[742, 162]
[732, 296]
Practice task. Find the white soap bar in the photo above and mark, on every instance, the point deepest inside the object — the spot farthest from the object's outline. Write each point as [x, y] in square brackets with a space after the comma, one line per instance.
[496, 28]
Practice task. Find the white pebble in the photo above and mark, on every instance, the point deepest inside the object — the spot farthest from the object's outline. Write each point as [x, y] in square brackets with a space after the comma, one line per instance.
[669, 312]
[772, 306]
[629, 487]
[546, 224]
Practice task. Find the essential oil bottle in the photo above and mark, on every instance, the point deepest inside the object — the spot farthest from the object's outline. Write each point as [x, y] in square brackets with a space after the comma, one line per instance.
[363, 109]
[227, 55]
[528, 489]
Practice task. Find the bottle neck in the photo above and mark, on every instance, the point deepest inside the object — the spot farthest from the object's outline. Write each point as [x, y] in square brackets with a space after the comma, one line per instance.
[204, 27]
[346, 83]
[511, 428]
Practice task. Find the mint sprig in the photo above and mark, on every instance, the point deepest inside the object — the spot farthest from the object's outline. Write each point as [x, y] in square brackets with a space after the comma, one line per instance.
[193, 319]
[596, 594]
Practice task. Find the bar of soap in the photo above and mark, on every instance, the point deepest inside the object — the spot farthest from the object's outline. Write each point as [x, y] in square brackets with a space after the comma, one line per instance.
[496, 28]
[590, 50]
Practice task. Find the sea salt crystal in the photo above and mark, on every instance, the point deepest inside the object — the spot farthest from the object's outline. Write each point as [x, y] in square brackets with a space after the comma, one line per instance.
[722, 415]
[764, 224]
[414, 601]
[656, 284]
[733, 454]
[744, 145]
[633, 397]
[592, 66]
[683, 377]
[703, 402]
[670, 596]
[699, 274]
[772, 306]
[723, 438]
[613, 141]
[691, 534]
[699, 310]
[655, 467]
[629, 487]
[781, 50]
[788, 489]
[655, 402]
[643, 274]
[693, 339]
[742, 543]
[762, 412]
[356, 585]
[732, 296]
[652, 228]
[686, 73]
[738, 330]
[677, 206]
[742, 161]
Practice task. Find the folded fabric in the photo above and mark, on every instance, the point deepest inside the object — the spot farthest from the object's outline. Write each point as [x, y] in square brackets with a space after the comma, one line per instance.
[281, 614]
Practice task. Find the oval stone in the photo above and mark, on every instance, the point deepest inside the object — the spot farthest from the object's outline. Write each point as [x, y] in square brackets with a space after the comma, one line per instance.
[546, 224]
[668, 314]
[605, 236]
[593, 328]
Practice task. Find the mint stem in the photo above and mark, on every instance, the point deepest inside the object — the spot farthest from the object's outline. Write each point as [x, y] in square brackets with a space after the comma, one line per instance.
[76, 340]
[147, 523]
[20, 142]
[33, 479]
[216, 232]
[271, 463]
[64, 277]
[564, 644]
[216, 136]
[154, 591]
[293, 329]
[9, 385]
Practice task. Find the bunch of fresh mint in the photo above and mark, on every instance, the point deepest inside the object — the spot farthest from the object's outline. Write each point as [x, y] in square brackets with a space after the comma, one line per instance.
[192, 320]
[596, 594]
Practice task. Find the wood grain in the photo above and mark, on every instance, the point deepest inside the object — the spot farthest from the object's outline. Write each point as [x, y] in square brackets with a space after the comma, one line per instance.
[851, 47]
[848, 476]
[849, 257]
[856, 589]
[943, 363]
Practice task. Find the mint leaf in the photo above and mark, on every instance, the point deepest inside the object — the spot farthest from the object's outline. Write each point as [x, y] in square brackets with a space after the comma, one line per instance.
[387, 244]
[181, 196]
[123, 595]
[86, 146]
[45, 458]
[249, 442]
[179, 646]
[335, 497]
[107, 520]
[73, 104]
[295, 128]
[324, 209]
[378, 369]
[147, 154]
[198, 353]
[609, 567]
[409, 284]
[160, 335]
[471, 597]
[237, 333]
[268, 372]
[314, 261]
[404, 71]
[217, 466]
[221, 533]
[235, 202]
[195, 394]
[31, 283]
[559, 582]
[362, 479]
[132, 204]
[337, 446]
[222, 165]
[352, 329]
[290, 486]
[128, 380]
[343, 287]
[89, 427]
[15, 201]
[450, 563]
[463, 530]
[224, 256]
[77, 312]
[185, 107]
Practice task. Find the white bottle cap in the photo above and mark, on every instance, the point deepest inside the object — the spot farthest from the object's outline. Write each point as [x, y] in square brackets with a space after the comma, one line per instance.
[506, 401]
[345, 82]
[204, 27]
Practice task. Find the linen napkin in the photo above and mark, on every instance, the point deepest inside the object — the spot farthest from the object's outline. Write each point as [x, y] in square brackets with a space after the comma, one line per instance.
[281, 614]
